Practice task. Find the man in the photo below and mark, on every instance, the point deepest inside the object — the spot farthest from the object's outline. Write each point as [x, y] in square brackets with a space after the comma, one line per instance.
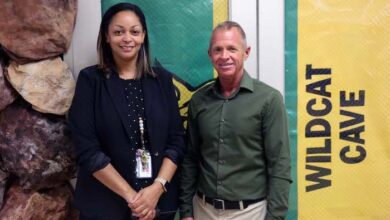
[238, 160]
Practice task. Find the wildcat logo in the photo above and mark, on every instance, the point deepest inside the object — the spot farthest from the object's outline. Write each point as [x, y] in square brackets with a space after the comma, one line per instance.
[184, 92]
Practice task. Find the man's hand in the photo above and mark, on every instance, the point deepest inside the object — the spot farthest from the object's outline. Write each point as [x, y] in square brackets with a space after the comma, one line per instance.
[188, 218]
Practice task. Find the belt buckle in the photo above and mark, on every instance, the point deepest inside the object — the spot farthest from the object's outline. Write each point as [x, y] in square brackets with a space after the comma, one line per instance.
[219, 204]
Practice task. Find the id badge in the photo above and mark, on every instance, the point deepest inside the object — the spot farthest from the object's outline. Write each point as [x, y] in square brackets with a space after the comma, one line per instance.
[144, 164]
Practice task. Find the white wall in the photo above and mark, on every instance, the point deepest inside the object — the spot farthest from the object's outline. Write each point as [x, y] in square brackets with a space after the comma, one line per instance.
[82, 51]
[245, 13]
[271, 43]
[262, 20]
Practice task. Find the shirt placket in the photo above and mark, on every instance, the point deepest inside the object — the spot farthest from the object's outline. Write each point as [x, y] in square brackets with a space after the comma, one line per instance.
[221, 144]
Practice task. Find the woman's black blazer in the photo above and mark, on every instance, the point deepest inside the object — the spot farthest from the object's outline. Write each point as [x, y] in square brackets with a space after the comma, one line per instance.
[97, 119]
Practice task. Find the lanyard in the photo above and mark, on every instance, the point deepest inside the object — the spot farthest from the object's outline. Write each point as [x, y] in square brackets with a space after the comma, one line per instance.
[142, 132]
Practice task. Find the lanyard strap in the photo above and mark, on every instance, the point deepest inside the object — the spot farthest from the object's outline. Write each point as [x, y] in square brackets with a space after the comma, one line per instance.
[142, 132]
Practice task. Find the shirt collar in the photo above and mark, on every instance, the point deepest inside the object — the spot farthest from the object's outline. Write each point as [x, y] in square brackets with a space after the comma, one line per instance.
[245, 83]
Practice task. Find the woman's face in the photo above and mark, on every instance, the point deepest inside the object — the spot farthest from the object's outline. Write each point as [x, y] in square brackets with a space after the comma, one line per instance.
[125, 36]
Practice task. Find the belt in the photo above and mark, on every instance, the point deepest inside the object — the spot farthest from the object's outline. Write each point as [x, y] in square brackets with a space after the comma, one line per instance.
[226, 204]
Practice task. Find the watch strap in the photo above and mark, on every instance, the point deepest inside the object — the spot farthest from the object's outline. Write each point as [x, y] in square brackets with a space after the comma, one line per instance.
[163, 182]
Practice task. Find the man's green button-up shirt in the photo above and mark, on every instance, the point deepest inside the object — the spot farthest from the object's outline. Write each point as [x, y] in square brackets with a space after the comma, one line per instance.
[238, 147]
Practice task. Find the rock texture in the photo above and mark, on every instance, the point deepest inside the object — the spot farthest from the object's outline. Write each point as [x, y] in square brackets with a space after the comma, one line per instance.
[35, 147]
[48, 85]
[51, 204]
[3, 184]
[36, 29]
[8, 94]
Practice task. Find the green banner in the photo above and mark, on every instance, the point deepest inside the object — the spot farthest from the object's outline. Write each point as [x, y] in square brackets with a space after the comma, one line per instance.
[291, 97]
[179, 33]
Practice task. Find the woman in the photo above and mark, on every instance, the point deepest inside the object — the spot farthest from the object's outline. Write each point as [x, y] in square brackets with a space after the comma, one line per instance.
[126, 126]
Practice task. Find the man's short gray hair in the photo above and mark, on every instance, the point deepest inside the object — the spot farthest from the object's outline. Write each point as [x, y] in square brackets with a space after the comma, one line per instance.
[228, 25]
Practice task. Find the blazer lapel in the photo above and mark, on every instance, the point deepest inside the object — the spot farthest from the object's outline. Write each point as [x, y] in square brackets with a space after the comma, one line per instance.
[115, 89]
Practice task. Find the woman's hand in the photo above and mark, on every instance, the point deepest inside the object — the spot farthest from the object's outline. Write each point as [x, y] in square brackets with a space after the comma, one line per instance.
[143, 205]
[129, 196]
[149, 216]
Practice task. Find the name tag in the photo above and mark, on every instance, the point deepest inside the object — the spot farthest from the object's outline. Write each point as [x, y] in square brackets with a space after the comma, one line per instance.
[144, 164]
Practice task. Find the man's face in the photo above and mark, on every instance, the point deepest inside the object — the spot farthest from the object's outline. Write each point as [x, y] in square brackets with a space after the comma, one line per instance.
[228, 52]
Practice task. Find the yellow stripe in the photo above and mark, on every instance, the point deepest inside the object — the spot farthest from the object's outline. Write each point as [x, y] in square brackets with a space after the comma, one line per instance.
[220, 11]
[220, 14]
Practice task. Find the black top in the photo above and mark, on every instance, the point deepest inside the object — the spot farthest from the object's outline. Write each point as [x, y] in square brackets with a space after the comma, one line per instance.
[136, 109]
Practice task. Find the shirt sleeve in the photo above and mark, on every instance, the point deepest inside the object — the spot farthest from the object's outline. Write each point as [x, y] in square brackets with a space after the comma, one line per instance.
[189, 170]
[277, 148]
[88, 153]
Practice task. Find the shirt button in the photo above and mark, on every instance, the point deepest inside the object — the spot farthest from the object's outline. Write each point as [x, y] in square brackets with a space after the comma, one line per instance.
[222, 120]
[156, 154]
[219, 182]
[221, 140]
[221, 161]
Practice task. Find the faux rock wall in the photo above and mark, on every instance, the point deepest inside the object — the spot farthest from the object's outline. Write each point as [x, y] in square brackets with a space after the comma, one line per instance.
[34, 30]
[36, 87]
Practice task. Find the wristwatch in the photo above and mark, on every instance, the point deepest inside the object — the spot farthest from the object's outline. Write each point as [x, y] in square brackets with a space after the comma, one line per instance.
[164, 183]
